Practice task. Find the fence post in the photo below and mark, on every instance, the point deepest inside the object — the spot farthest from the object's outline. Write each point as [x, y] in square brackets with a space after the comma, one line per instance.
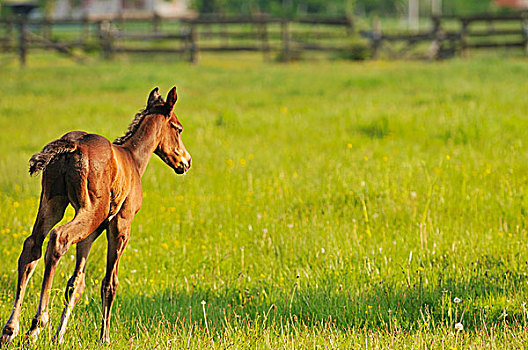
[463, 37]
[436, 45]
[524, 24]
[105, 37]
[194, 43]
[286, 50]
[22, 41]
[376, 38]
[264, 38]
[156, 23]
[85, 31]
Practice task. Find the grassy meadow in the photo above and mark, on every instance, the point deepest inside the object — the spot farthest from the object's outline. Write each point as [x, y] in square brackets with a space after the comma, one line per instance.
[330, 204]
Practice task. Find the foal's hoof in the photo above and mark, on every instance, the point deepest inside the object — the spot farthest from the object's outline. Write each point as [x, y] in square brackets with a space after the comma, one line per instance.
[8, 334]
[6, 339]
[104, 341]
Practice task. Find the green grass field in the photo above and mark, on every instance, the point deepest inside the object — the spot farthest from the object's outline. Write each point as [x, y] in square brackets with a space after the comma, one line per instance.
[330, 204]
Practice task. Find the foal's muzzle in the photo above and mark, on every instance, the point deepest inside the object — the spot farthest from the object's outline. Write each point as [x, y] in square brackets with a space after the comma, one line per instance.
[183, 166]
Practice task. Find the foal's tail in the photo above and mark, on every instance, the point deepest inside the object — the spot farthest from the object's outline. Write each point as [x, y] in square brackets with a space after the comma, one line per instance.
[39, 161]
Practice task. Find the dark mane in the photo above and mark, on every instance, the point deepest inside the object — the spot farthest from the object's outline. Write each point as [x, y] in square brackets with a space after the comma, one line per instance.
[131, 128]
[138, 118]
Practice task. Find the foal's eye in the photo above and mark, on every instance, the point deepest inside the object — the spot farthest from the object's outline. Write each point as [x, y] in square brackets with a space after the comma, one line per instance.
[177, 127]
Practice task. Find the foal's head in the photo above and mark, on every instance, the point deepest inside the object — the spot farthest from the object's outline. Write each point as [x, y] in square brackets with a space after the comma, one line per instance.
[170, 148]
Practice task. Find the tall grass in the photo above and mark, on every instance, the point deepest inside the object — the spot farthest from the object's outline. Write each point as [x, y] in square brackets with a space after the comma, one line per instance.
[329, 204]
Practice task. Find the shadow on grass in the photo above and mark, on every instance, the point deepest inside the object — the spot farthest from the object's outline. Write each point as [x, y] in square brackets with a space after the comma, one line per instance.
[479, 298]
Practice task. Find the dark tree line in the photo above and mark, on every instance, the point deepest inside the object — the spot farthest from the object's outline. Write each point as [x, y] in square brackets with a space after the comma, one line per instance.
[336, 7]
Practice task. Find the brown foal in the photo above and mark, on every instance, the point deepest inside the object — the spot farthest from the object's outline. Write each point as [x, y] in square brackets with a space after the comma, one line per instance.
[102, 181]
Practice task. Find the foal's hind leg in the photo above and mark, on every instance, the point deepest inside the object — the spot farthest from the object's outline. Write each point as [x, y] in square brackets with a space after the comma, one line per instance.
[76, 284]
[61, 238]
[50, 212]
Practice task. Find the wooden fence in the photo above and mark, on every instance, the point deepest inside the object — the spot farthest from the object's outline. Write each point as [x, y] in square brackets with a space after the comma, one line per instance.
[186, 37]
[287, 38]
[450, 35]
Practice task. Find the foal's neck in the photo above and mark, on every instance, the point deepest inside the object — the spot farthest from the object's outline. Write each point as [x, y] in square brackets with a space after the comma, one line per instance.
[143, 143]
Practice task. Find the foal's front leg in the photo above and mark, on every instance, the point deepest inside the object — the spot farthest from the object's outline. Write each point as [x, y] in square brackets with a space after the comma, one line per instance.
[118, 234]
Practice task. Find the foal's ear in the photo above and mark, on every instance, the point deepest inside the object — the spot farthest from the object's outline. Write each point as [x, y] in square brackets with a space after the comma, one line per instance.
[172, 97]
[153, 97]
